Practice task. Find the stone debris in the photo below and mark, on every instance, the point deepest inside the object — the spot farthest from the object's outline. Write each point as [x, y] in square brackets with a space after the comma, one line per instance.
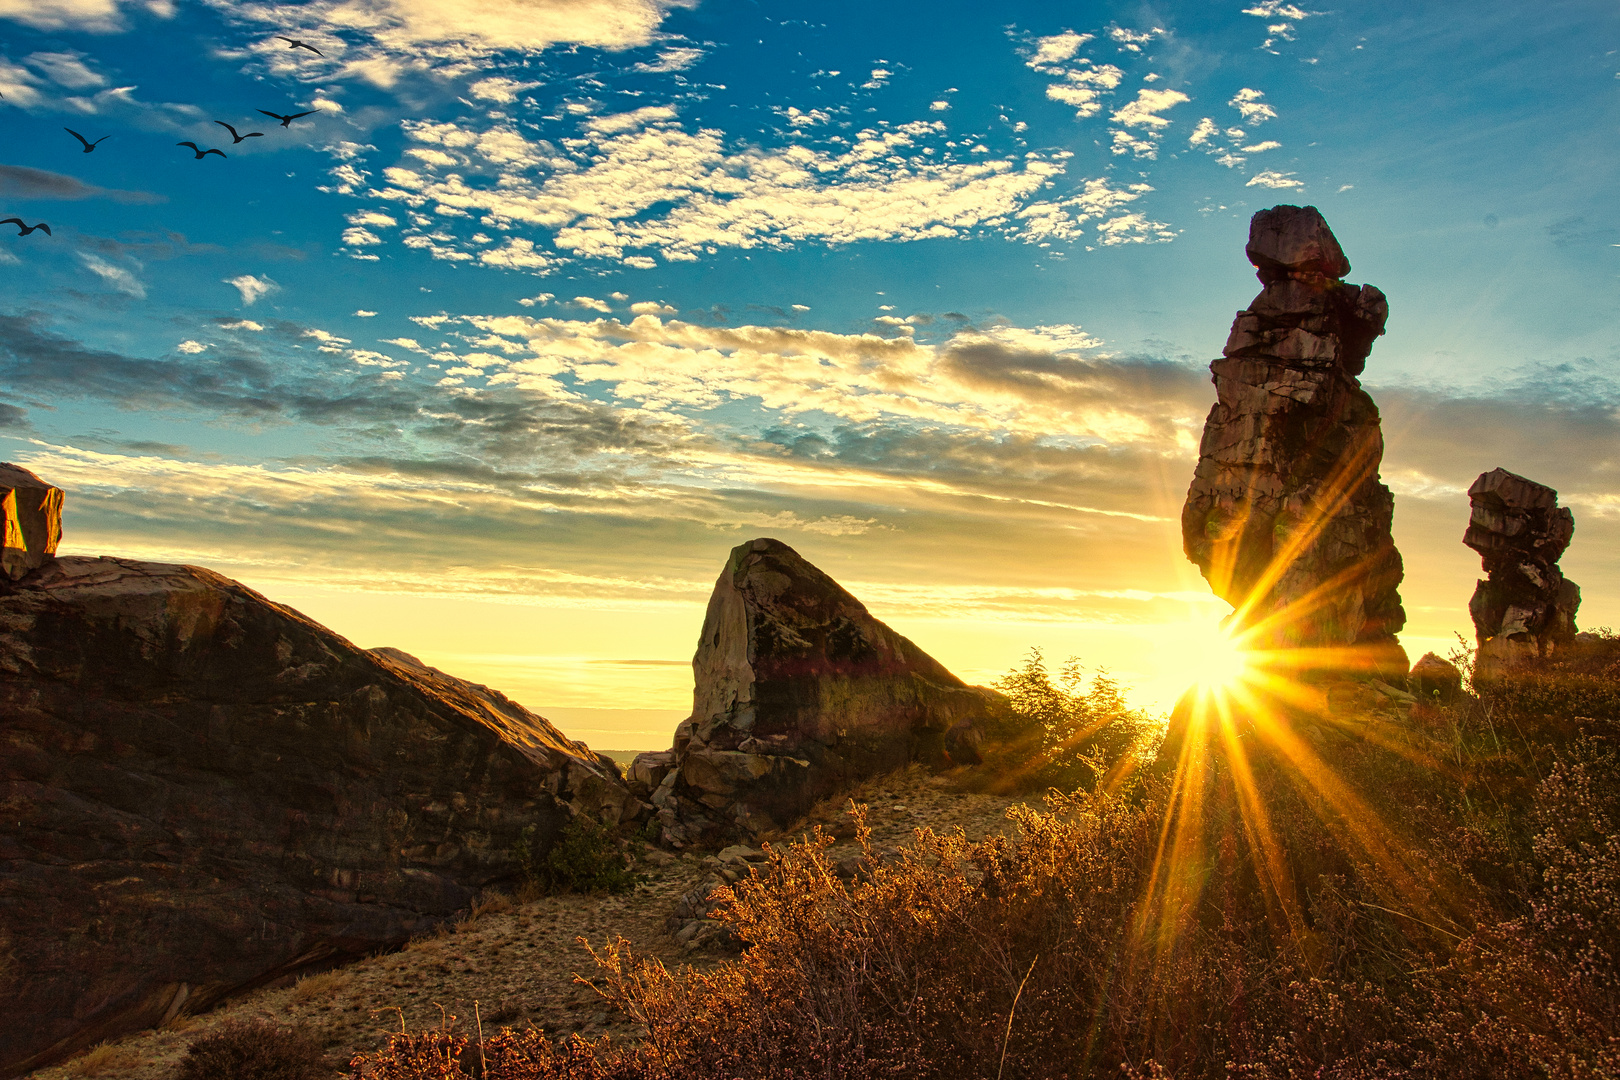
[1525, 608]
[1286, 517]
[32, 510]
[798, 691]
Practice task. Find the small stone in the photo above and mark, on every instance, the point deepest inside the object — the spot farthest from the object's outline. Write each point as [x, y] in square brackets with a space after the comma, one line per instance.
[1435, 679]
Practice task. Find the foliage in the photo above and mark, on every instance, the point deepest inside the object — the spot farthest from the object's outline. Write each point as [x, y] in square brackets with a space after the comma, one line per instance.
[1086, 731]
[586, 857]
[1437, 896]
[253, 1050]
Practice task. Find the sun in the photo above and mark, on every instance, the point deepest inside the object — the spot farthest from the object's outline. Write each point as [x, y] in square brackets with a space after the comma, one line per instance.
[1206, 657]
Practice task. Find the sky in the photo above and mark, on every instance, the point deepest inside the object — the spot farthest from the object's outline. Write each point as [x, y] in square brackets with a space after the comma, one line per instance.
[545, 305]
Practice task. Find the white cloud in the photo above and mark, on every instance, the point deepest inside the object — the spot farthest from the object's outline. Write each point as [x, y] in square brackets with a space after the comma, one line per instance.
[1248, 103]
[1259, 147]
[360, 237]
[248, 324]
[117, 277]
[90, 16]
[18, 84]
[499, 89]
[1133, 40]
[670, 60]
[1206, 130]
[252, 288]
[191, 348]
[65, 69]
[542, 298]
[938, 106]
[593, 304]
[364, 314]
[651, 307]
[1057, 48]
[886, 183]
[1145, 110]
[1274, 180]
[880, 76]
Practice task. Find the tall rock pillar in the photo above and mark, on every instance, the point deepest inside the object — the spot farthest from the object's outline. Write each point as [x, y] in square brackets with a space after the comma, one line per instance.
[1286, 517]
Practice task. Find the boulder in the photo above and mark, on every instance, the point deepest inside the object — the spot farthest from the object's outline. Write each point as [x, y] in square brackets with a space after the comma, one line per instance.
[202, 791]
[1525, 608]
[1286, 517]
[32, 510]
[798, 692]
[1435, 679]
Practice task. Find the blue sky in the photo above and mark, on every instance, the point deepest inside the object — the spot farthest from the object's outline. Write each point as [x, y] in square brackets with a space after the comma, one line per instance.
[548, 303]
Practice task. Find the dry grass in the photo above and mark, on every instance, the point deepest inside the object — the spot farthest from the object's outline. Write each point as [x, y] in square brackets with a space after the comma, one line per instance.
[325, 986]
[104, 1059]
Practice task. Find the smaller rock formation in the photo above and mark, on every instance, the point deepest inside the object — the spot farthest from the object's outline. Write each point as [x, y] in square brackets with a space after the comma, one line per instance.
[1286, 517]
[32, 510]
[1435, 679]
[799, 691]
[1525, 609]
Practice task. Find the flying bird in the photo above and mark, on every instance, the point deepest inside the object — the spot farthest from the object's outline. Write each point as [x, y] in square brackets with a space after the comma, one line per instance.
[88, 145]
[234, 135]
[24, 230]
[296, 44]
[199, 151]
[285, 120]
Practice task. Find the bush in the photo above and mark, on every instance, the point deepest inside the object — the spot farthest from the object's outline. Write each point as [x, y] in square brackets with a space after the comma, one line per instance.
[585, 858]
[253, 1050]
[1087, 733]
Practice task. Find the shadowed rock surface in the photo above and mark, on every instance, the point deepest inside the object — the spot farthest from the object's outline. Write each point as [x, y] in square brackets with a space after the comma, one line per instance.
[202, 791]
[32, 513]
[798, 692]
[1525, 609]
[1286, 517]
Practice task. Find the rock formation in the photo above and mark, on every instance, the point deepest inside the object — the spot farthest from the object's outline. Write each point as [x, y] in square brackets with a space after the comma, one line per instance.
[798, 691]
[32, 510]
[202, 791]
[1435, 679]
[1286, 517]
[1525, 609]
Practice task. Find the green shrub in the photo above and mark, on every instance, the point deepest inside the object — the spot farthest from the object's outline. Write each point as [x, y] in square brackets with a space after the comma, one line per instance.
[585, 858]
[253, 1050]
[1086, 731]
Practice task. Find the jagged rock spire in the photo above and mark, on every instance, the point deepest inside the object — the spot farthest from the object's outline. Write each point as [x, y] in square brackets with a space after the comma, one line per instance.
[1286, 517]
[1525, 609]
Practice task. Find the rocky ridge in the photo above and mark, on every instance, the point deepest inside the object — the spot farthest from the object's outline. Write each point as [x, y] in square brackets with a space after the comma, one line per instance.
[202, 791]
[1286, 517]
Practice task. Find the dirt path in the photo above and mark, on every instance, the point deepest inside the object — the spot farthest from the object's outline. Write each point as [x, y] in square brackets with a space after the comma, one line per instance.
[519, 961]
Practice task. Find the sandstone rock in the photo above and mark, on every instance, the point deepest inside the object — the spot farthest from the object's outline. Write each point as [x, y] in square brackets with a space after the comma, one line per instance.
[1435, 679]
[1286, 517]
[201, 791]
[32, 510]
[799, 691]
[1524, 610]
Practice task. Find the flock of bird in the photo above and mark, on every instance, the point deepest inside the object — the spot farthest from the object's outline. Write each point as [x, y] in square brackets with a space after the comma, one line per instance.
[286, 121]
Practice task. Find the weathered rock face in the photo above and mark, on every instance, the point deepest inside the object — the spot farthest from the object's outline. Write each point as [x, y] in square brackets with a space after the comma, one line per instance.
[1525, 609]
[1286, 517]
[201, 791]
[32, 513]
[799, 691]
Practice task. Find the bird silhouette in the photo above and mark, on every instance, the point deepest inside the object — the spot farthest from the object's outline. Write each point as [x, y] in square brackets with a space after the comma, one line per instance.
[296, 44]
[234, 135]
[199, 151]
[88, 145]
[24, 230]
[285, 120]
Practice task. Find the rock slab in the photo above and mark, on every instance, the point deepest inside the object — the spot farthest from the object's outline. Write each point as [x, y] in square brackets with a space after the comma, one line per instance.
[1525, 608]
[202, 791]
[799, 691]
[1286, 517]
[32, 513]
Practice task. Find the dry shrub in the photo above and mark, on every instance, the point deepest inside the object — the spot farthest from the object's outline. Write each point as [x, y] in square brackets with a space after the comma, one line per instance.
[323, 987]
[253, 1050]
[1390, 908]
[102, 1059]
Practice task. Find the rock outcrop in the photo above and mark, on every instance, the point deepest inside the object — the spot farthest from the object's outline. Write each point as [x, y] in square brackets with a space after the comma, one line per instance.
[1434, 679]
[202, 791]
[799, 691]
[32, 510]
[1525, 608]
[1286, 517]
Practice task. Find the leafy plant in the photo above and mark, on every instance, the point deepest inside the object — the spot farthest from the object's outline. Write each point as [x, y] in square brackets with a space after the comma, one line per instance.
[1085, 730]
[584, 858]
